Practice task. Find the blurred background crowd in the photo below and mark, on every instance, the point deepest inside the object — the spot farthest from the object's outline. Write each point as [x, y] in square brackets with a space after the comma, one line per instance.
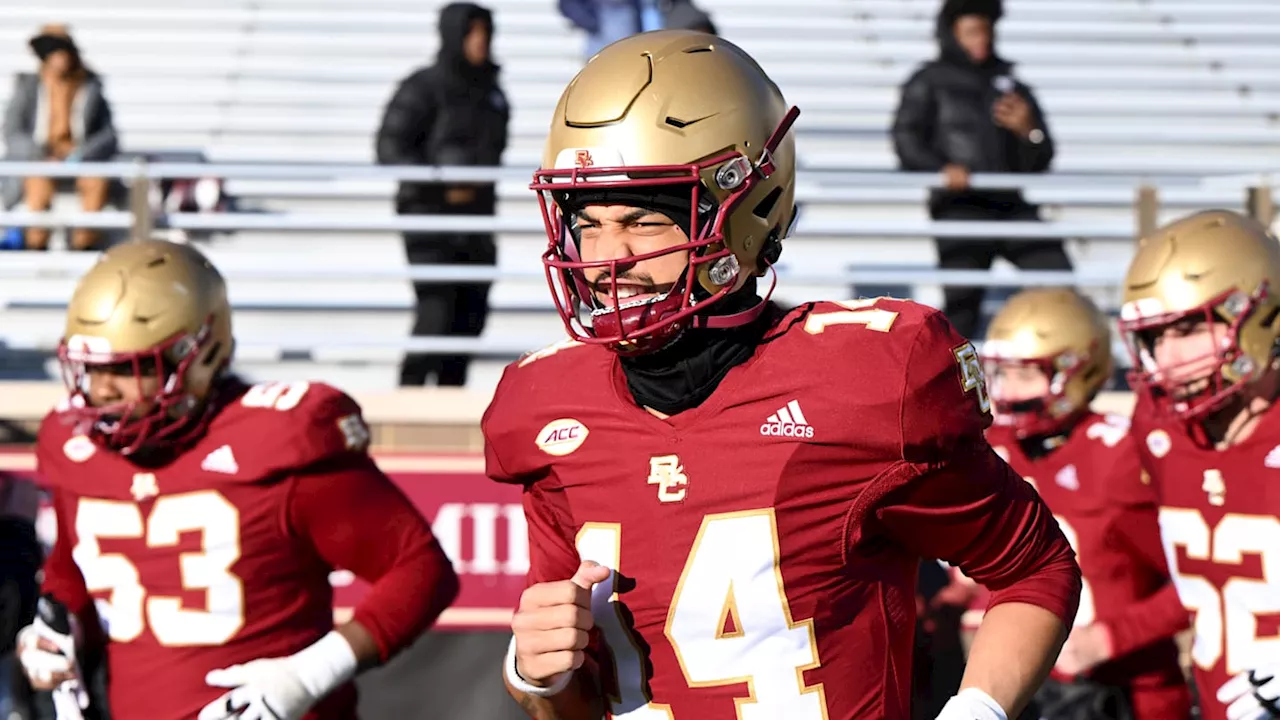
[948, 151]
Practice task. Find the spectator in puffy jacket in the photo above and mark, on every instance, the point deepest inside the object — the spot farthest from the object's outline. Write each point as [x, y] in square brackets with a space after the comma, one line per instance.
[451, 113]
[964, 113]
[61, 114]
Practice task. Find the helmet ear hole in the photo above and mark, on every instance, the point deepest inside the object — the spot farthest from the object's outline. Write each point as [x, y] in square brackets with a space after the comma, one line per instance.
[211, 354]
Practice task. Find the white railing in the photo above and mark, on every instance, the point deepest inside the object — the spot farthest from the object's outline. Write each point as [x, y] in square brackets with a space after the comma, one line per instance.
[833, 180]
[141, 168]
[350, 222]
[69, 266]
[66, 266]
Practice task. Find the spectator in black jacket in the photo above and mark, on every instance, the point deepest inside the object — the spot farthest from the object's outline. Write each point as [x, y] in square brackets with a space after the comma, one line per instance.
[964, 113]
[451, 113]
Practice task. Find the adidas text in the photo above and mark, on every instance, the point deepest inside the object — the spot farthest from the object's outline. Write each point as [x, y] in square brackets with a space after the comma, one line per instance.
[780, 429]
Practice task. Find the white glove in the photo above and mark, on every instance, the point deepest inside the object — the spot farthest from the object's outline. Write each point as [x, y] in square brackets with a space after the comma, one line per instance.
[1253, 695]
[281, 688]
[41, 665]
[972, 704]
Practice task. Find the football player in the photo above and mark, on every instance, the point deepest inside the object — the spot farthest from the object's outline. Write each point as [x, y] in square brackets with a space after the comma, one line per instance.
[726, 499]
[199, 518]
[1201, 316]
[1047, 355]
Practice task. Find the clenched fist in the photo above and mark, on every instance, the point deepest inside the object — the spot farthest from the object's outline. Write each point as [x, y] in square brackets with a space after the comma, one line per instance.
[552, 624]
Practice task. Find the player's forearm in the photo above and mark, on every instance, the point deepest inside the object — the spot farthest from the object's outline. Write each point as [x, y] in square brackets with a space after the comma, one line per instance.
[1013, 652]
[580, 700]
[412, 579]
[362, 645]
[1156, 617]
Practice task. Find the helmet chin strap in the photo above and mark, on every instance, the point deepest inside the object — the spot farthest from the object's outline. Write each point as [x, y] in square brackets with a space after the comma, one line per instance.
[740, 317]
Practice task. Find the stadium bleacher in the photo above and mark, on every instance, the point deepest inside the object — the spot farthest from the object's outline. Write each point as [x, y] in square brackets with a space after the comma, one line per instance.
[1165, 89]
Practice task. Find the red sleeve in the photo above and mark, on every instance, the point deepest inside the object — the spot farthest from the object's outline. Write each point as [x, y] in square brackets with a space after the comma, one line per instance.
[552, 556]
[62, 577]
[952, 497]
[500, 426]
[1156, 617]
[358, 520]
[1160, 615]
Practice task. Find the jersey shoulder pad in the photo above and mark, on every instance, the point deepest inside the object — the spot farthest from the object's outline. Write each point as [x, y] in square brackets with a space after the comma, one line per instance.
[1116, 455]
[542, 406]
[554, 350]
[868, 332]
[282, 426]
[1110, 430]
[943, 397]
[885, 315]
[59, 441]
[557, 369]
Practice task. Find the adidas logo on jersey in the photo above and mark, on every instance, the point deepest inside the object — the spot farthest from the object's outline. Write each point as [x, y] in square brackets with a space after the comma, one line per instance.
[222, 461]
[789, 421]
[1273, 458]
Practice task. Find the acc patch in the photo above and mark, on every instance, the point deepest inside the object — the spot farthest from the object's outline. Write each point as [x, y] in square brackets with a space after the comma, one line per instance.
[561, 437]
[79, 448]
[1158, 443]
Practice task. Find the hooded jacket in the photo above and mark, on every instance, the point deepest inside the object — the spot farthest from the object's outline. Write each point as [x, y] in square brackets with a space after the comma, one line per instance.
[451, 113]
[945, 114]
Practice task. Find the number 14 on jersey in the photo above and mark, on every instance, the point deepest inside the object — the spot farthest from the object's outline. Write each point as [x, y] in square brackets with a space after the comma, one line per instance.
[728, 622]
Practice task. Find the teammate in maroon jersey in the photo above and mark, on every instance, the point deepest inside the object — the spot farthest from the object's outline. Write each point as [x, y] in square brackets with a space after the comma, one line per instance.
[1047, 355]
[727, 500]
[199, 518]
[1201, 315]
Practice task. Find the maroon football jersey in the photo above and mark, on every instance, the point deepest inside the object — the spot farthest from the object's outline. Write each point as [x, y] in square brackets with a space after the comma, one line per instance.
[765, 544]
[1221, 531]
[1106, 507]
[196, 565]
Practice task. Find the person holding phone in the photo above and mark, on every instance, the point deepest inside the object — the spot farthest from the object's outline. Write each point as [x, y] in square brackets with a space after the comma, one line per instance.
[965, 113]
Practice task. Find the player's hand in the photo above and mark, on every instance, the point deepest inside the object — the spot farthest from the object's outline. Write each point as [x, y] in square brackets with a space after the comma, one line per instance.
[263, 690]
[281, 688]
[1013, 113]
[552, 624]
[1253, 695]
[956, 176]
[49, 658]
[1086, 648]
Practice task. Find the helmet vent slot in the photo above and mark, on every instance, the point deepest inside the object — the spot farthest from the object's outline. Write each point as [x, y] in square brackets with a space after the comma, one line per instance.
[765, 206]
[1270, 318]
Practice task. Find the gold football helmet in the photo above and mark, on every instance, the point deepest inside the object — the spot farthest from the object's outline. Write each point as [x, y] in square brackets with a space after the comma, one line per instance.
[1217, 266]
[1064, 335]
[149, 308]
[680, 115]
